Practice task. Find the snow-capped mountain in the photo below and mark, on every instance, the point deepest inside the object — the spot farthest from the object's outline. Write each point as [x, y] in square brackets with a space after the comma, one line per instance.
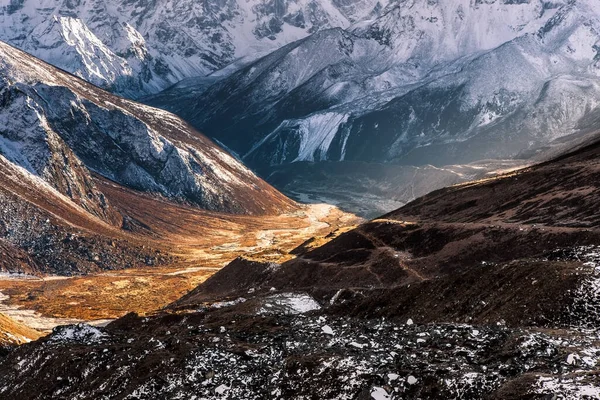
[58, 128]
[411, 82]
[425, 83]
[139, 47]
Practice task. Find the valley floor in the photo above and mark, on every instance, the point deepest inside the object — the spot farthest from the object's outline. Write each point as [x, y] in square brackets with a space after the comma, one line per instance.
[202, 244]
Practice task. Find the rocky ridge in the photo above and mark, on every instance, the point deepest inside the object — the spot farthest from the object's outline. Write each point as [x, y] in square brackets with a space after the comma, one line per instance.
[61, 135]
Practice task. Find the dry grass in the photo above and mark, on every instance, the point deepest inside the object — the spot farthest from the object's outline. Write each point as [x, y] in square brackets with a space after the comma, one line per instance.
[202, 243]
[12, 332]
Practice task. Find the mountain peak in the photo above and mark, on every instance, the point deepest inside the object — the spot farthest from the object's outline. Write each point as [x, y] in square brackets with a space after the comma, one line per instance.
[137, 48]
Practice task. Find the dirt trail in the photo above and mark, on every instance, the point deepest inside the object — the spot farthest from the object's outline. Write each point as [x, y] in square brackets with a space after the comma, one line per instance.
[398, 255]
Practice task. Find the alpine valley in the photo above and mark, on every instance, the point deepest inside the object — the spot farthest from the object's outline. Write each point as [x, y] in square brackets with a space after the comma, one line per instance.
[92, 182]
[183, 187]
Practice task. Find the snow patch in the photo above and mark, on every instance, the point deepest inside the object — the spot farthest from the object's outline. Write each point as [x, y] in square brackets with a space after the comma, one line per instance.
[80, 333]
[288, 304]
[327, 330]
[379, 393]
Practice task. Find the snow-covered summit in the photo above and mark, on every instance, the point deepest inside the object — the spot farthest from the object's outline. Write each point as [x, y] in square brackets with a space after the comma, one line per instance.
[453, 81]
[140, 47]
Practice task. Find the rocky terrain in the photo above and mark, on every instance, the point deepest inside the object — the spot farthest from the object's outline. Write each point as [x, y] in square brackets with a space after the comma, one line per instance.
[222, 354]
[480, 290]
[494, 223]
[193, 244]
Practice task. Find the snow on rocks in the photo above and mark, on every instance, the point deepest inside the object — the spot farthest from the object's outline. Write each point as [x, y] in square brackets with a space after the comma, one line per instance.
[570, 388]
[327, 330]
[130, 48]
[584, 310]
[288, 303]
[384, 69]
[132, 144]
[379, 393]
[357, 345]
[80, 333]
[572, 359]
[222, 304]
[265, 357]
[393, 377]
[221, 389]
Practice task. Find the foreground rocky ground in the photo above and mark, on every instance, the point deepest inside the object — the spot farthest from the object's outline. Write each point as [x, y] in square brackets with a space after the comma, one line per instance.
[286, 346]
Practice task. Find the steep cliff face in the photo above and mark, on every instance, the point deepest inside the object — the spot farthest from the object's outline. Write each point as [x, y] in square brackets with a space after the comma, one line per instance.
[139, 47]
[29, 145]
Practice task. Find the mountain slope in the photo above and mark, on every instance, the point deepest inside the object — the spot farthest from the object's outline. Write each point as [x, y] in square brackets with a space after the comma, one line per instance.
[304, 84]
[140, 47]
[524, 215]
[137, 146]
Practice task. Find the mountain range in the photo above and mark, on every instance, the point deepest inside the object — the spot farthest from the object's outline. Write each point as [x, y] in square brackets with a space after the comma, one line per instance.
[302, 89]
[445, 84]
[140, 47]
